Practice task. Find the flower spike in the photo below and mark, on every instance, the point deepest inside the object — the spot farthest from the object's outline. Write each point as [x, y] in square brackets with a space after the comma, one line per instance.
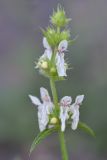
[54, 116]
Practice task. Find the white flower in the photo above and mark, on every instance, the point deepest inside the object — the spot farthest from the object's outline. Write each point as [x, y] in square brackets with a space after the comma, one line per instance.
[64, 109]
[74, 108]
[60, 63]
[48, 51]
[44, 109]
[42, 63]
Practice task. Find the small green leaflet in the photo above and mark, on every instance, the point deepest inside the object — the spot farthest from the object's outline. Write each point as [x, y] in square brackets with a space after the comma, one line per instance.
[42, 136]
[86, 128]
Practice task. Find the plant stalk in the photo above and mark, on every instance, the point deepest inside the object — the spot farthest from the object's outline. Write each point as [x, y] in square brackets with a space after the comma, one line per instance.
[54, 93]
[63, 146]
[61, 134]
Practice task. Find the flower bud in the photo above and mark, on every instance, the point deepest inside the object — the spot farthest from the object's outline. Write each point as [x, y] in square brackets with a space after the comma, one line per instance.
[59, 18]
[54, 120]
[44, 65]
[52, 36]
[53, 71]
[65, 35]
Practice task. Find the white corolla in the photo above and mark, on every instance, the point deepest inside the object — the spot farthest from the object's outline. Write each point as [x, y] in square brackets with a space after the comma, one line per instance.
[44, 109]
[60, 62]
[48, 51]
[74, 108]
[64, 109]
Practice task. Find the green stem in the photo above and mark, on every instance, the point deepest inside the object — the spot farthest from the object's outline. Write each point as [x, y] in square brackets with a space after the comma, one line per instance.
[54, 92]
[63, 146]
[61, 134]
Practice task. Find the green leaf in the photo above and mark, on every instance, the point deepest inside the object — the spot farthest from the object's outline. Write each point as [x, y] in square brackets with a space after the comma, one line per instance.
[42, 136]
[86, 128]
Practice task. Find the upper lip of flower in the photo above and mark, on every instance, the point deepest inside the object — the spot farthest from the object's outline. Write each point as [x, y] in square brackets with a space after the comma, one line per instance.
[66, 100]
[62, 46]
[44, 95]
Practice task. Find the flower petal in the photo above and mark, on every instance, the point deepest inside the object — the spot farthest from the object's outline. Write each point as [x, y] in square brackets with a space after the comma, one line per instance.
[48, 54]
[63, 116]
[60, 64]
[43, 118]
[45, 95]
[74, 124]
[63, 46]
[48, 50]
[75, 115]
[42, 127]
[66, 101]
[79, 99]
[35, 100]
[49, 107]
[45, 43]
[73, 111]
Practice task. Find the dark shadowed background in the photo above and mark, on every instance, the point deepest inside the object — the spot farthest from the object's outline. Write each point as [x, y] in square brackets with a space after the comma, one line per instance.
[20, 46]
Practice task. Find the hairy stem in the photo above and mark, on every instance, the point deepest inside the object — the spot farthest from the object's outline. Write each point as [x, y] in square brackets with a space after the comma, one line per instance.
[61, 134]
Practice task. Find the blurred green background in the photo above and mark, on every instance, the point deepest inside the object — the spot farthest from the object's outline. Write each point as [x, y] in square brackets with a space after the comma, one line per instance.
[20, 46]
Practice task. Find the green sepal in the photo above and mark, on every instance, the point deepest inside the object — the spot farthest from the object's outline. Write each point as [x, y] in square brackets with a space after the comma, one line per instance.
[41, 136]
[86, 128]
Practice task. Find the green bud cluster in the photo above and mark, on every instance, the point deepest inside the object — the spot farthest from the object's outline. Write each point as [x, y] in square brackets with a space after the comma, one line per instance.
[56, 33]
[59, 18]
[54, 37]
